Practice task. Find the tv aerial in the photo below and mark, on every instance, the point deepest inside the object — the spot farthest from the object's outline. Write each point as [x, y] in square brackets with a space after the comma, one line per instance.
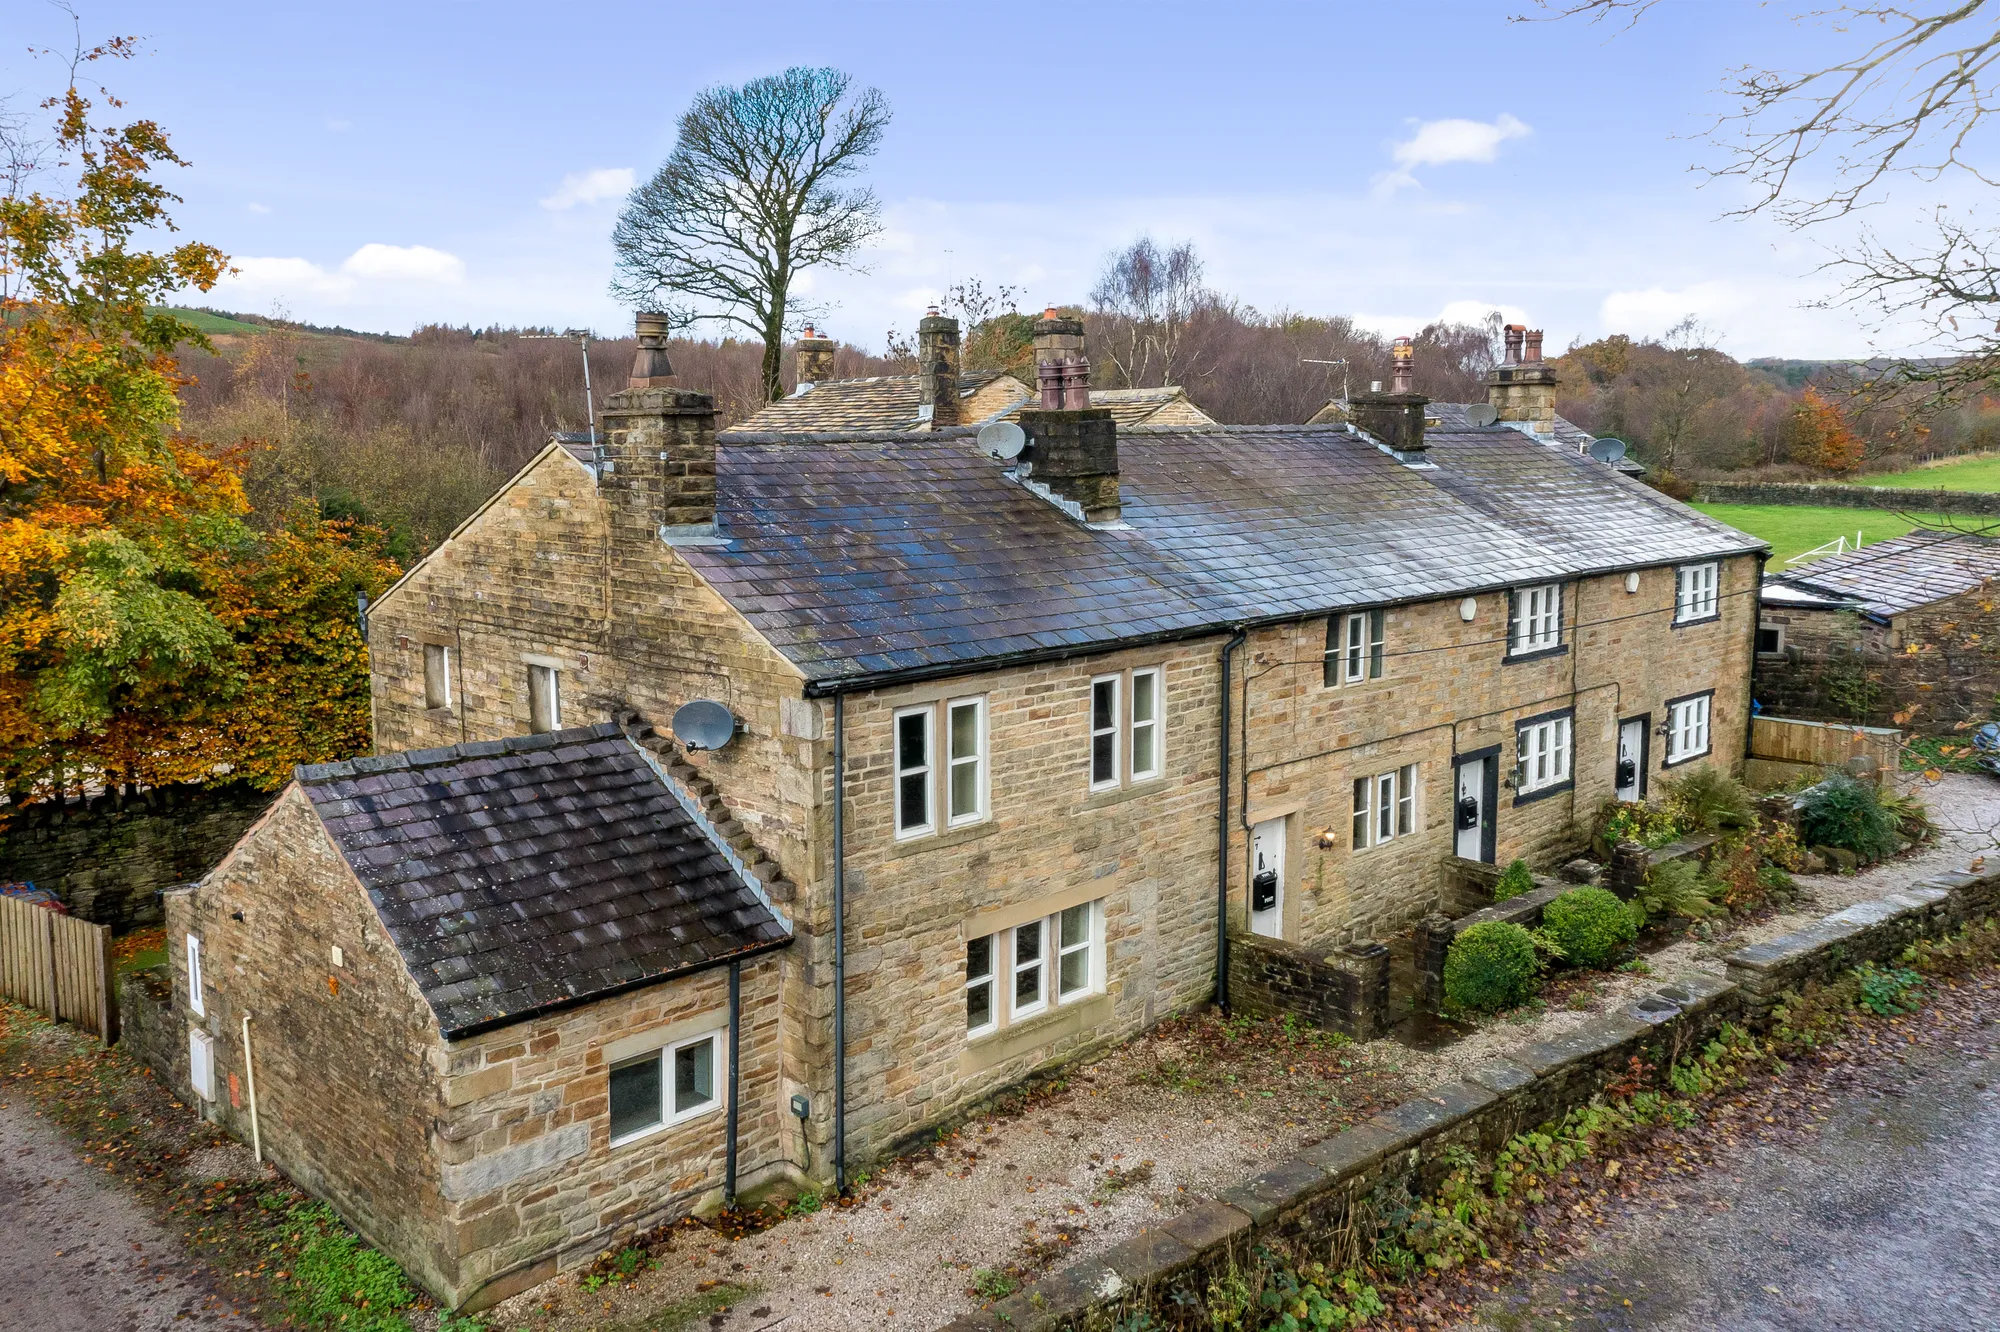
[1607, 450]
[704, 724]
[1002, 440]
[1482, 414]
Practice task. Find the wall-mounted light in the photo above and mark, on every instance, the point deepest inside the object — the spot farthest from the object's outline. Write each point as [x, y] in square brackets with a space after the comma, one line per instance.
[1468, 609]
[1325, 839]
[1632, 581]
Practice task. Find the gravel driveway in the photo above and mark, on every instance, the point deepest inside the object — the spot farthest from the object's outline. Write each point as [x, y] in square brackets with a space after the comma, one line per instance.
[77, 1254]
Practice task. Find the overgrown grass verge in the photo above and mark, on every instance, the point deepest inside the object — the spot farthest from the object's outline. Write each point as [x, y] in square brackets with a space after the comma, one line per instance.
[1391, 1260]
[273, 1252]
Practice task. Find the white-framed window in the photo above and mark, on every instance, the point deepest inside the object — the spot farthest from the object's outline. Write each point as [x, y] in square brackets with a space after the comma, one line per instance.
[982, 1013]
[544, 699]
[1029, 993]
[1687, 728]
[1535, 619]
[201, 1063]
[913, 772]
[1542, 754]
[1695, 593]
[195, 1001]
[1128, 727]
[437, 675]
[1104, 732]
[965, 786]
[1385, 806]
[1354, 646]
[1147, 760]
[666, 1086]
[1017, 973]
[1770, 640]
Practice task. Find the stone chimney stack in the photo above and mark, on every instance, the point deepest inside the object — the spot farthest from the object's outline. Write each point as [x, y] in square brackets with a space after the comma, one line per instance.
[1072, 446]
[660, 444]
[814, 353]
[1062, 371]
[1523, 386]
[1396, 418]
[650, 367]
[937, 369]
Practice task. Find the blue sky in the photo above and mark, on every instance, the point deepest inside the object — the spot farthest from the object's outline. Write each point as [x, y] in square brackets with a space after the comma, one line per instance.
[385, 165]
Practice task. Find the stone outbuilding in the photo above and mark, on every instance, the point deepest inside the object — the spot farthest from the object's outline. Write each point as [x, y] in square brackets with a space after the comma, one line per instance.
[497, 1002]
[1902, 633]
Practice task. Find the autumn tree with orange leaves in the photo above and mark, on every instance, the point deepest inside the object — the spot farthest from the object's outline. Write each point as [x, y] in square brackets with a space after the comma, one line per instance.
[1819, 435]
[147, 634]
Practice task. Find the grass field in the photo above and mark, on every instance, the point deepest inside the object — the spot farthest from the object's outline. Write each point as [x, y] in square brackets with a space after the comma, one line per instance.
[213, 324]
[1982, 473]
[1793, 529]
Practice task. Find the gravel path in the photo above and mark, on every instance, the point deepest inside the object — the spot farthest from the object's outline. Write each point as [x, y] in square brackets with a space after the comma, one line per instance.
[77, 1254]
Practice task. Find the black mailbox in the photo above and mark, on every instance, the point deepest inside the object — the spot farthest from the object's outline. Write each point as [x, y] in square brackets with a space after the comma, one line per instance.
[1264, 890]
[1628, 772]
[1468, 811]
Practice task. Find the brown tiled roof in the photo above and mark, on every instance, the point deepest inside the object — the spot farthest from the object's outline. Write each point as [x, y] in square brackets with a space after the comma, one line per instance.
[915, 553]
[1902, 573]
[879, 402]
[525, 874]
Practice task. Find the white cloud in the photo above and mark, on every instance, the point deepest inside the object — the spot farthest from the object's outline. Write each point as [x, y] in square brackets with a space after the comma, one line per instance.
[1438, 142]
[1653, 310]
[369, 270]
[1454, 312]
[404, 263]
[590, 187]
[259, 209]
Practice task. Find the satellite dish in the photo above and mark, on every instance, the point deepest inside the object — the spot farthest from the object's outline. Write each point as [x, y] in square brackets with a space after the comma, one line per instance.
[704, 724]
[1482, 414]
[1607, 450]
[1002, 440]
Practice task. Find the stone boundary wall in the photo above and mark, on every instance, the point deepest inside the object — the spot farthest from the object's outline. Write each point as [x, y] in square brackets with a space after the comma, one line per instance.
[1910, 500]
[1346, 990]
[107, 857]
[1314, 1200]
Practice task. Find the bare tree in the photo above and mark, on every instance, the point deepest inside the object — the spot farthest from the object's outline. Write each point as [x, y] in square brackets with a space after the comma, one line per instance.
[750, 197]
[1147, 299]
[1907, 99]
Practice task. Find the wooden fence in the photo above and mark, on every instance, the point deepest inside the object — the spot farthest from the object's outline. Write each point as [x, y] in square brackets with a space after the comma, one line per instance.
[59, 964]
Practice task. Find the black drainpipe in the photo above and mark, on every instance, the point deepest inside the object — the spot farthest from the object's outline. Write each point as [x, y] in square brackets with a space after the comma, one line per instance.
[839, 944]
[735, 1079]
[1222, 837]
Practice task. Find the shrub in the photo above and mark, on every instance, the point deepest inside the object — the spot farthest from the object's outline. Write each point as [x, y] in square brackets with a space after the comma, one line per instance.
[1846, 812]
[1491, 966]
[1590, 925]
[1622, 821]
[1709, 801]
[1516, 879]
[1911, 816]
[1676, 888]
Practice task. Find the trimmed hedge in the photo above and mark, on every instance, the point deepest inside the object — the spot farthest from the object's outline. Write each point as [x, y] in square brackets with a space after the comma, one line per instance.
[1590, 925]
[1491, 966]
[1516, 879]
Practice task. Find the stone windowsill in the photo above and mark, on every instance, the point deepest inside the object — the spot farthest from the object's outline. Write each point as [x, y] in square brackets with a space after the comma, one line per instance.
[1024, 1037]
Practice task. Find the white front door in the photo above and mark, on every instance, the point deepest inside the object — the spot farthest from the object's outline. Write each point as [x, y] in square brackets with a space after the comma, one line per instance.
[1267, 878]
[1631, 759]
[1471, 811]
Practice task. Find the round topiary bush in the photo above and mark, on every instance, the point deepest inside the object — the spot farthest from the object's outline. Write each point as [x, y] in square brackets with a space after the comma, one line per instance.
[1590, 925]
[1491, 966]
[1516, 879]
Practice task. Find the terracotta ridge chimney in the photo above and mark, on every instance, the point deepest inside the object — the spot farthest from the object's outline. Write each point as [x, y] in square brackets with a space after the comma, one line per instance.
[650, 366]
[1522, 388]
[660, 442]
[1396, 418]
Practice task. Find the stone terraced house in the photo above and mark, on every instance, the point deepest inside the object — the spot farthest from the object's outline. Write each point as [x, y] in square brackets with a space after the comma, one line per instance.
[1018, 755]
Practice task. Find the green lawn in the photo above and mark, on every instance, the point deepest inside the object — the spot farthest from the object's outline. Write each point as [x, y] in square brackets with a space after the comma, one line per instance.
[1793, 529]
[213, 324]
[1981, 473]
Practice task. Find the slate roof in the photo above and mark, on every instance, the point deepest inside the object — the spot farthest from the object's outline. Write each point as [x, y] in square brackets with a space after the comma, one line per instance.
[1129, 406]
[532, 873]
[1902, 573]
[878, 402]
[1451, 416]
[895, 554]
